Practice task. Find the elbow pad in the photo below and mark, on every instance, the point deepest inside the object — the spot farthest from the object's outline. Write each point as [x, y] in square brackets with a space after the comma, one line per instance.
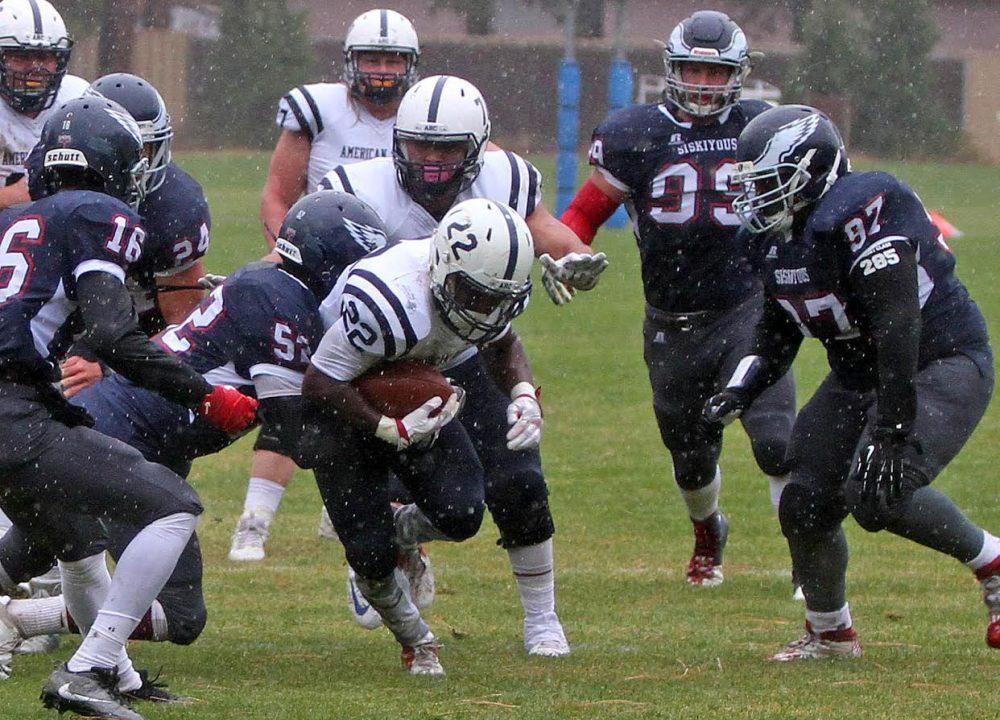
[588, 210]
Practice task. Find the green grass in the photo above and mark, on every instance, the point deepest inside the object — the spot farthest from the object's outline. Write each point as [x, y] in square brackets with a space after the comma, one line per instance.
[280, 644]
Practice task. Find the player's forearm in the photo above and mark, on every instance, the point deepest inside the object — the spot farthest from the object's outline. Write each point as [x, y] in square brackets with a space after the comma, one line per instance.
[889, 301]
[176, 304]
[593, 204]
[273, 208]
[507, 361]
[113, 335]
[14, 194]
[335, 398]
[552, 237]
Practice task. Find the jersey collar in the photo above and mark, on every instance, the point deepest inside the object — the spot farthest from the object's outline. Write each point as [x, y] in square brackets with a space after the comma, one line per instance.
[721, 117]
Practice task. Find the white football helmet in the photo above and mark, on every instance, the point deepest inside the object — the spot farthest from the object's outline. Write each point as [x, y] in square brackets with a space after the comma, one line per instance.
[440, 109]
[384, 31]
[481, 268]
[32, 26]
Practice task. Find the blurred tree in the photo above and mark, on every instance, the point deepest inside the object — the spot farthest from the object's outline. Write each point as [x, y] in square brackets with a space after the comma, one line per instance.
[762, 14]
[894, 94]
[479, 14]
[235, 90]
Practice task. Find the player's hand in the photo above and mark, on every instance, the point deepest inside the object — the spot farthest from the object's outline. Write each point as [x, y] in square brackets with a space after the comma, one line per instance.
[78, 374]
[228, 409]
[558, 293]
[210, 281]
[524, 415]
[880, 468]
[579, 271]
[420, 428]
[726, 406]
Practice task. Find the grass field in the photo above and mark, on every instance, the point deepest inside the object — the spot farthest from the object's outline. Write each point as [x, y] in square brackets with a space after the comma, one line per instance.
[279, 643]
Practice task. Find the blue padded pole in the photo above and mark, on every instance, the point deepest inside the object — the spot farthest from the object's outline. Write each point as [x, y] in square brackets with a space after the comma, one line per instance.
[620, 92]
[569, 116]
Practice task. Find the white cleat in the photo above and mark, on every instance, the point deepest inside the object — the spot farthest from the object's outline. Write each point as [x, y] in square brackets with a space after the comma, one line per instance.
[10, 639]
[544, 637]
[416, 566]
[422, 658]
[250, 535]
[361, 610]
[326, 529]
[830, 645]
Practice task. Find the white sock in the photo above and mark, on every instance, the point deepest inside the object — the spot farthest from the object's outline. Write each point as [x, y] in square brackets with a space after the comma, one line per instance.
[128, 678]
[533, 571]
[141, 572]
[158, 619]
[777, 486]
[703, 502]
[263, 493]
[42, 616]
[826, 621]
[85, 588]
[5, 523]
[989, 553]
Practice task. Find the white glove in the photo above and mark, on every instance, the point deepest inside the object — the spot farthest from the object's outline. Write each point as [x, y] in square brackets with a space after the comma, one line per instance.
[578, 270]
[210, 282]
[419, 428]
[558, 293]
[524, 415]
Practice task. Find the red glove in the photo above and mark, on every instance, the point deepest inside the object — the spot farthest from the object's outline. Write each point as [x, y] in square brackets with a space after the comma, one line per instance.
[228, 409]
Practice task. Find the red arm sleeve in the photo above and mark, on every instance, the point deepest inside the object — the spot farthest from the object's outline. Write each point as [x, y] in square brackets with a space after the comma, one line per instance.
[588, 210]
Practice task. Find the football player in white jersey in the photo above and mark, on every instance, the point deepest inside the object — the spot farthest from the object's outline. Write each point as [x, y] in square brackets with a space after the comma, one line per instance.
[324, 125]
[328, 124]
[433, 300]
[440, 158]
[34, 53]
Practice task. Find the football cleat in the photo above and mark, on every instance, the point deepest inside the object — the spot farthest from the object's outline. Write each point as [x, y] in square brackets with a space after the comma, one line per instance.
[416, 566]
[361, 610]
[829, 645]
[326, 529]
[710, 535]
[153, 691]
[544, 637]
[989, 578]
[90, 694]
[250, 535]
[422, 658]
[39, 645]
[10, 639]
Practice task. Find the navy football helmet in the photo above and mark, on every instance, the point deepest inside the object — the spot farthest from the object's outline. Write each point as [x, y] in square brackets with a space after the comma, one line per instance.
[145, 104]
[95, 144]
[323, 233]
[787, 158]
[706, 37]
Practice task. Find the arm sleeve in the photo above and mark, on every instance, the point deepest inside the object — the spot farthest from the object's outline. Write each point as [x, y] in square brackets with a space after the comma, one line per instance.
[111, 331]
[888, 302]
[776, 342]
[33, 166]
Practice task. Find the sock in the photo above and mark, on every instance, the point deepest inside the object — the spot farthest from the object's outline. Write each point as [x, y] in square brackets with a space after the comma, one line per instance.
[85, 588]
[703, 502]
[7, 586]
[777, 486]
[128, 678]
[5, 523]
[822, 622]
[413, 528]
[263, 493]
[398, 612]
[42, 616]
[533, 571]
[989, 553]
[141, 572]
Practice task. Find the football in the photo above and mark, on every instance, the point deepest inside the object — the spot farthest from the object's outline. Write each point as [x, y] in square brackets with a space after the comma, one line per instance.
[399, 388]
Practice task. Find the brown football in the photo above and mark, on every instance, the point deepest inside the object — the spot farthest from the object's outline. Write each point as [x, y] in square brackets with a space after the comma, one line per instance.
[399, 388]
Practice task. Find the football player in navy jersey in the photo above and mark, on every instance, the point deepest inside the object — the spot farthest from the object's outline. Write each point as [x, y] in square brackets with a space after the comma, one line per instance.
[670, 163]
[853, 260]
[66, 257]
[255, 332]
[165, 282]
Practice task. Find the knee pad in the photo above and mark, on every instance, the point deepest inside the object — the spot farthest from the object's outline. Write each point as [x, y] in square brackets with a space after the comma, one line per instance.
[184, 608]
[519, 503]
[769, 452]
[804, 510]
[460, 526]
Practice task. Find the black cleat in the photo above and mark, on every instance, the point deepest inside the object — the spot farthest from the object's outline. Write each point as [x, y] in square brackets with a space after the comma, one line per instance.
[152, 691]
[90, 694]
